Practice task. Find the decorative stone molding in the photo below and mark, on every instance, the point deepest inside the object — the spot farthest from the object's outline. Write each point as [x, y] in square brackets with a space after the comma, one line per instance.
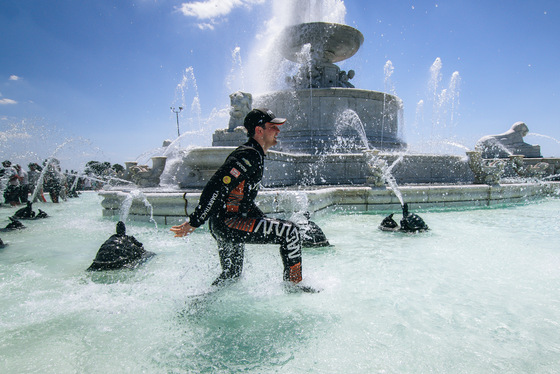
[142, 175]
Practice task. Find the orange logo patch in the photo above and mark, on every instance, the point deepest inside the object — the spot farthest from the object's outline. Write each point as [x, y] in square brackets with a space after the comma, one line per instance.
[235, 172]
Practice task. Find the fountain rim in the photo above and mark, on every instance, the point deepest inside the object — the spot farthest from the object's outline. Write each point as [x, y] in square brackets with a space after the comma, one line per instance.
[335, 92]
[169, 204]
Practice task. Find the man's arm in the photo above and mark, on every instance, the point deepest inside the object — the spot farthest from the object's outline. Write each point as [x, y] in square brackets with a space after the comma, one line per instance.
[213, 196]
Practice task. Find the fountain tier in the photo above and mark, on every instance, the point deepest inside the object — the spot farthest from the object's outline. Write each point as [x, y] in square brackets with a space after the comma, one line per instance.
[288, 169]
[329, 42]
[313, 125]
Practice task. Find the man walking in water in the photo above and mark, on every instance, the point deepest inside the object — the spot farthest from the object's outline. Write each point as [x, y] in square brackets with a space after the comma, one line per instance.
[228, 202]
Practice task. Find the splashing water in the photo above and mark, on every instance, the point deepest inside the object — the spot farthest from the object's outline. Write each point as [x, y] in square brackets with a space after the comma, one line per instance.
[349, 119]
[388, 70]
[375, 162]
[127, 204]
[390, 179]
[419, 120]
[187, 83]
[544, 136]
[454, 94]
[443, 301]
[269, 71]
[444, 108]
[235, 81]
[33, 140]
[498, 144]
[104, 180]
[77, 177]
[435, 79]
[146, 156]
[175, 144]
[41, 178]
[446, 105]
[433, 86]
[458, 145]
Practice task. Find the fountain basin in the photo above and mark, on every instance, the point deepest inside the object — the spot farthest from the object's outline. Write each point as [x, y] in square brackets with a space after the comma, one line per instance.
[297, 169]
[168, 205]
[330, 42]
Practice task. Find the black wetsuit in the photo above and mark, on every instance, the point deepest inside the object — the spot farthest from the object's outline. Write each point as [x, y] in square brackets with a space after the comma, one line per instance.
[228, 202]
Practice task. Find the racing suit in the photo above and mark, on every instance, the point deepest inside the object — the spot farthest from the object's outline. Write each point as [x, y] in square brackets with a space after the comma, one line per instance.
[228, 202]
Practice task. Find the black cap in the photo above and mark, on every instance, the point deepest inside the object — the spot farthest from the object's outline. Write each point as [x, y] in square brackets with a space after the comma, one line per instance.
[258, 117]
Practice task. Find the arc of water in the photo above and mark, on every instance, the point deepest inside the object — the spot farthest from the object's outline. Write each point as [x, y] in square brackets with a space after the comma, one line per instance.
[172, 147]
[127, 204]
[77, 177]
[375, 162]
[188, 81]
[419, 120]
[145, 156]
[388, 70]
[236, 66]
[89, 177]
[350, 119]
[544, 136]
[388, 175]
[458, 145]
[435, 79]
[347, 119]
[41, 178]
[454, 93]
[498, 144]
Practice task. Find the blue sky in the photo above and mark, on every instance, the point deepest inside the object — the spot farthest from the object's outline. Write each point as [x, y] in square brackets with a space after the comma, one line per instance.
[102, 75]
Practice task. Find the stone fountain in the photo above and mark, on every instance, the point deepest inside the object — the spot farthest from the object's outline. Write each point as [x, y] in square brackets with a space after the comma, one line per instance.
[336, 147]
[309, 150]
[321, 92]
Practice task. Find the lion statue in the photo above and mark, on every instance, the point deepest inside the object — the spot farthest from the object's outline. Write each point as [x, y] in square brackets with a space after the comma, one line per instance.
[509, 143]
[241, 104]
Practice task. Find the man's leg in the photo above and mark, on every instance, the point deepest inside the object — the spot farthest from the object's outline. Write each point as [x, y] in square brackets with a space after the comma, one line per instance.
[264, 230]
[231, 259]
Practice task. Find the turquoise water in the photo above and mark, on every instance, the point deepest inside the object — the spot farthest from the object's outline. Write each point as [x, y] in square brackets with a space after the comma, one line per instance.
[478, 293]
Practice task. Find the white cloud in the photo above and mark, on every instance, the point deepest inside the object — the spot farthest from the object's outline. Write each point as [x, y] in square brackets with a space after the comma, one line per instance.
[14, 78]
[7, 101]
[206, 26]
[210, 9]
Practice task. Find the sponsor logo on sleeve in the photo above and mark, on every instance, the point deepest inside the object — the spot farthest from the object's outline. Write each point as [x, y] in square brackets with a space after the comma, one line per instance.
[241, 166]
[235, 172]
[209, 206]
[246, 161]
[226, 179]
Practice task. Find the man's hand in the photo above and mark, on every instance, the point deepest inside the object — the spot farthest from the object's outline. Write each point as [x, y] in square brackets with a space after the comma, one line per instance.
[182, 230]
